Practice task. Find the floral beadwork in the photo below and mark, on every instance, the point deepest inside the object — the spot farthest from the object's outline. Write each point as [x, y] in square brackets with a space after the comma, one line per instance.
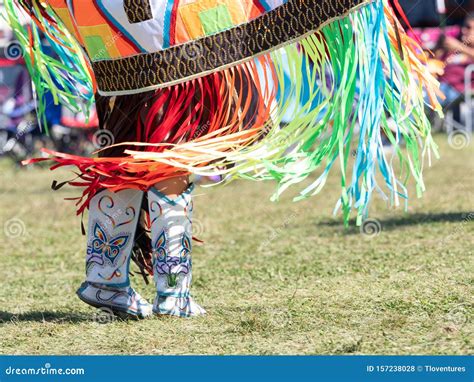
[171, 266]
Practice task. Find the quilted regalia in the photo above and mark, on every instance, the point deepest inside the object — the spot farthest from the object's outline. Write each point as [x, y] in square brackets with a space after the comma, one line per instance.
[280, 90]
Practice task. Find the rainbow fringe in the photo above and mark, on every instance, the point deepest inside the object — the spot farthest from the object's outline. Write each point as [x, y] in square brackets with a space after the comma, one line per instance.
[377, 83]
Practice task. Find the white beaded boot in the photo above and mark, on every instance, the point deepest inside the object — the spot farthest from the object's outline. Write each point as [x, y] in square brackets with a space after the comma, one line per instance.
[113, 219]
[171, 230]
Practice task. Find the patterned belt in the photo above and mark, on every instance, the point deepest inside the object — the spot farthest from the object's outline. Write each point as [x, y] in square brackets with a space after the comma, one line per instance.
[286, 23]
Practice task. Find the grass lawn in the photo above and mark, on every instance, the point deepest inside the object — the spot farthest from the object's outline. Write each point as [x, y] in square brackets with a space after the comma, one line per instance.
[275, 278]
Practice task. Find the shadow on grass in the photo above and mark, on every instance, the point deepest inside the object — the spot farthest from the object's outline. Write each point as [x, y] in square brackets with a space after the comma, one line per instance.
[44, 316]
[409, 220]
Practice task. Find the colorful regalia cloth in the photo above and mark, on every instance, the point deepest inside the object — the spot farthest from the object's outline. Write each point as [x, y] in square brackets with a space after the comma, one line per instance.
[280, 90]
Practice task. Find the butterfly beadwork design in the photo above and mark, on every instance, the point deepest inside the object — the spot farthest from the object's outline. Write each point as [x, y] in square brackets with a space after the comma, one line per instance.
[103, 247]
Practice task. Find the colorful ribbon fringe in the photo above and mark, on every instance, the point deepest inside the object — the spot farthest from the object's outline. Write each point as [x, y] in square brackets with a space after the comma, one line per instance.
[53, 57]
[355, 81]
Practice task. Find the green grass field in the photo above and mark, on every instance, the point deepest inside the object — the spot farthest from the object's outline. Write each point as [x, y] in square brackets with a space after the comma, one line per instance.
[282, 278]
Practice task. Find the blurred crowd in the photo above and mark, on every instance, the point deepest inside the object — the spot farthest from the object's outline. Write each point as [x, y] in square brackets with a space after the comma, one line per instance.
[445, 29]
[22, 135]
